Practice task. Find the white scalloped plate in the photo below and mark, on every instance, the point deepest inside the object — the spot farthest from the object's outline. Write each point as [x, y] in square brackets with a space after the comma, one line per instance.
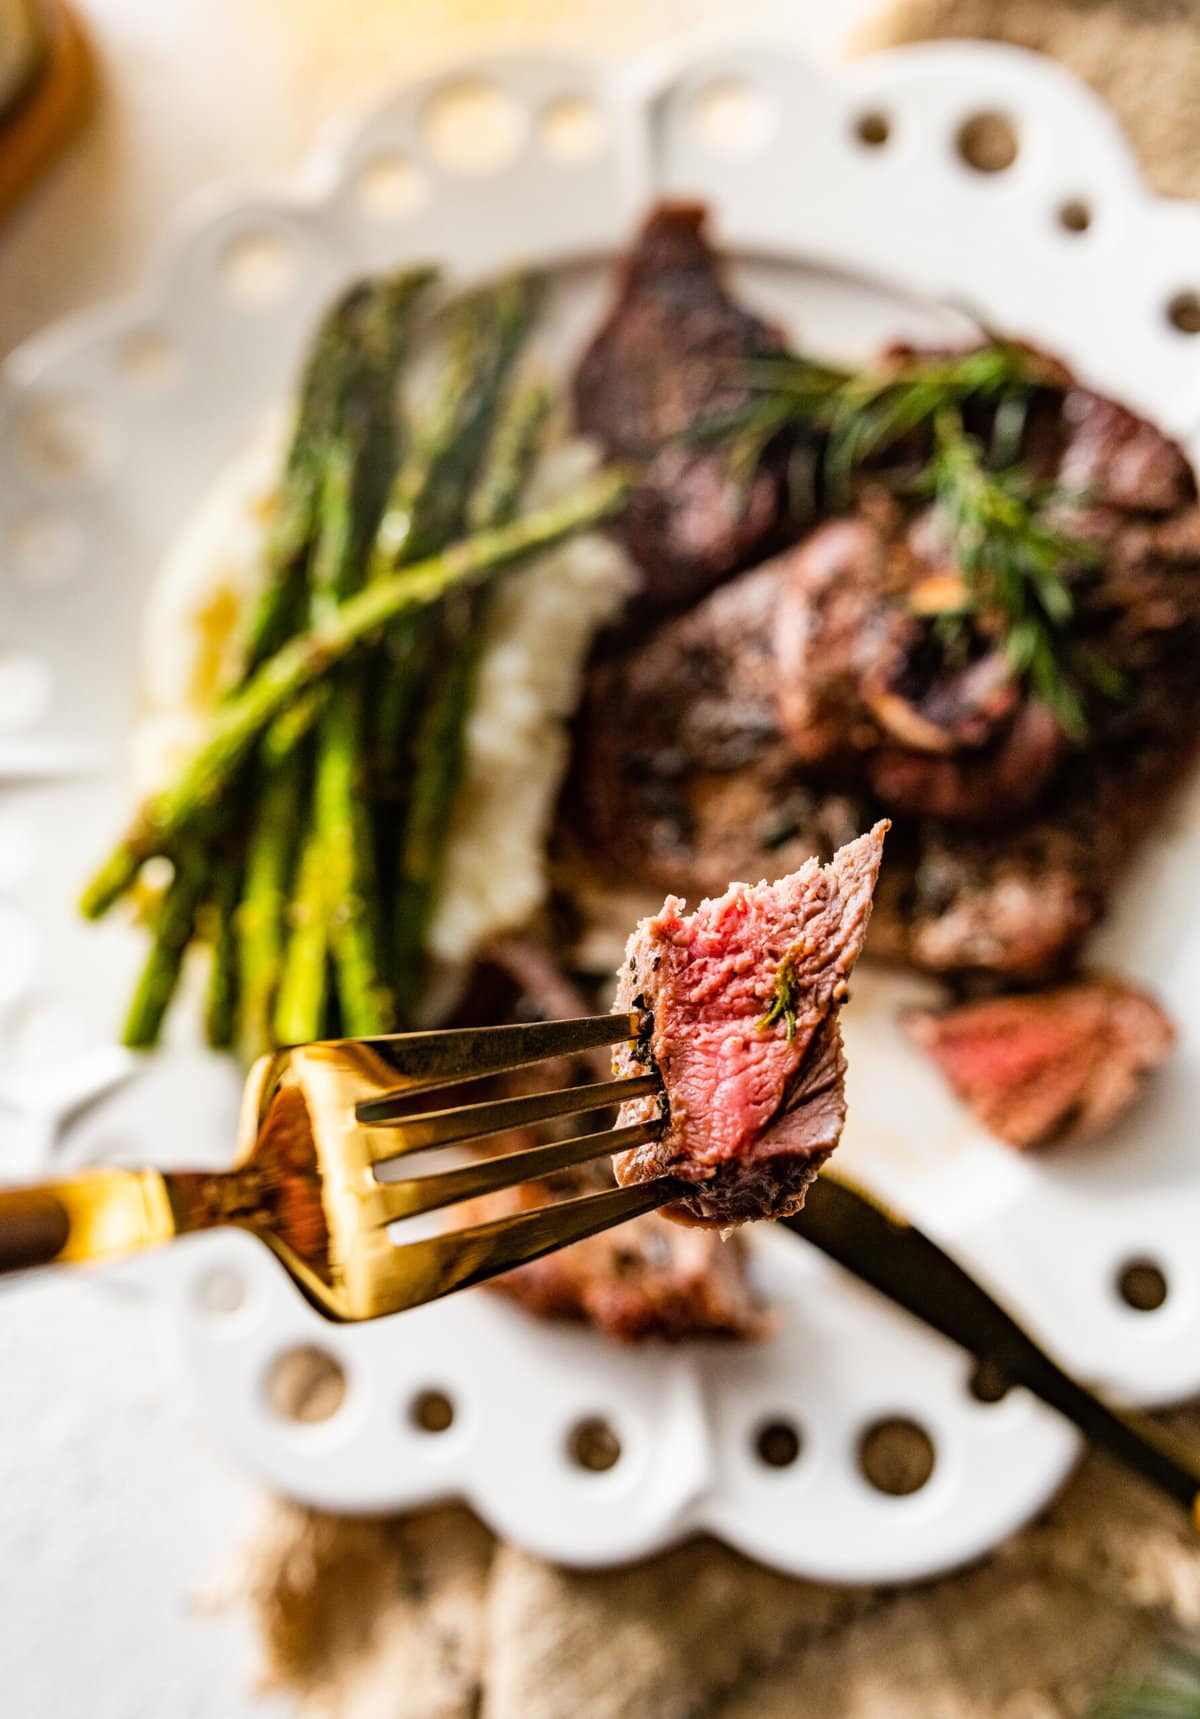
[112, 426]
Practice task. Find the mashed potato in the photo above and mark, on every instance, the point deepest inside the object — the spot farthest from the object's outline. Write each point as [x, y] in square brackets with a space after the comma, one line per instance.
[191, 624]
[538, 632]
[540, 624]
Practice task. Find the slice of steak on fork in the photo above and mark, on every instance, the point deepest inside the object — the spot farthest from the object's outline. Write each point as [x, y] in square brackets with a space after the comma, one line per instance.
[741, 999]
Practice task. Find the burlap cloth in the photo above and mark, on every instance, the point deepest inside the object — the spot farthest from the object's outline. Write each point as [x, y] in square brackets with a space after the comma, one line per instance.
[431, 1618]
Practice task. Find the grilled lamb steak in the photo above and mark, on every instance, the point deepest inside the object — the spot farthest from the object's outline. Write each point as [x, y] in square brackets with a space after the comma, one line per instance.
[742, 997]
[809, 696]
[647, 1279]
[662, 360]
[1056, 1065]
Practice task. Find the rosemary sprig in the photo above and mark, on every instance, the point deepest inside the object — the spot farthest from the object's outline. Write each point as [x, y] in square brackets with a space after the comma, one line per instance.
[785, 1004]
[859, 414]
[1015, 566]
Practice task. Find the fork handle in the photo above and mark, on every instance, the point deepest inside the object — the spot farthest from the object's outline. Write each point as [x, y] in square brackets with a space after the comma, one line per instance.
[98, 1215]
[34, 1228]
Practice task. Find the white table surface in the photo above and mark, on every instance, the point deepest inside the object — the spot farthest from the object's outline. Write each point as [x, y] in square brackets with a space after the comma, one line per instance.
[115, 1513]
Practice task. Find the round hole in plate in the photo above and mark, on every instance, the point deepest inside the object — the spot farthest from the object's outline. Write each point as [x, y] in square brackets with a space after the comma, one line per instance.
[431, 1411]
[593, 1445]
[988, 1382]
[873, 128]
[306, 1384]
[25, 690]
[64, 437]
[988, 142]
[220, 1290]
[257, 268]
[1183, 312]
[148, 359]
[733, 118]
[473, 126]
[1074, 216]
[42, 549]
[896, 1456]
[777, 1443]
[571, 129]
[1142, 1285]
[390, 186]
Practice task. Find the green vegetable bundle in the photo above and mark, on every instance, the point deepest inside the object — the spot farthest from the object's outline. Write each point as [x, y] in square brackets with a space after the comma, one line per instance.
[308, 831]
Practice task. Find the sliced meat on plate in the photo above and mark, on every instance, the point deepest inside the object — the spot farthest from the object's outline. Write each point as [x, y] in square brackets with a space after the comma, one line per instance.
[1052, 1065]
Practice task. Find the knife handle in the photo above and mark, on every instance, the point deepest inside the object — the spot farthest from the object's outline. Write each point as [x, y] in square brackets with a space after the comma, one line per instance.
[894, 1257]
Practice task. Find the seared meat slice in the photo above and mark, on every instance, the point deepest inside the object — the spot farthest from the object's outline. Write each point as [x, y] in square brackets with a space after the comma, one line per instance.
[647, 1279]
[1054, 1065]
[743, 997]
[663, 359]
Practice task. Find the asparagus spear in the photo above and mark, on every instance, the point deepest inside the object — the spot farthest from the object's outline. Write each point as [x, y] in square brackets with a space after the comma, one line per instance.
[388, 601]
[351, 473]
[221, 1008]
[292, 726]
[261, 917]
[372, 318]
[343, 821]
[510, 457]
[174, 924]
[300, 1006]
[279, 605]
[439, 748]
[427, 505]
[359, 466]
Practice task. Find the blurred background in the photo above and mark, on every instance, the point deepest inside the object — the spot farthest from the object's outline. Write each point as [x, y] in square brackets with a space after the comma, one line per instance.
[202, 90]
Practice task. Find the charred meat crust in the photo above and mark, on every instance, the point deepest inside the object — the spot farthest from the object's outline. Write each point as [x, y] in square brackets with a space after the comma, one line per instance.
[662, 359]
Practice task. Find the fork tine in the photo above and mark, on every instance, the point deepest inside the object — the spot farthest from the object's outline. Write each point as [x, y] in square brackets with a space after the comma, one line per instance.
[475, 1121]
[423, 1060]
[437, 1265]
[393, 1200]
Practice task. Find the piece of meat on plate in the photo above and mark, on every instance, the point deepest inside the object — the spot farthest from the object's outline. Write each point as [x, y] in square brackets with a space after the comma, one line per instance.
[646, 1279]
[741, 999]
[1050, 1065]
[665, 357]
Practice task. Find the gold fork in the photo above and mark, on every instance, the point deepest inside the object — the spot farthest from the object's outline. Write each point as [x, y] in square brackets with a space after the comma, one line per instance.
[318, 1122]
